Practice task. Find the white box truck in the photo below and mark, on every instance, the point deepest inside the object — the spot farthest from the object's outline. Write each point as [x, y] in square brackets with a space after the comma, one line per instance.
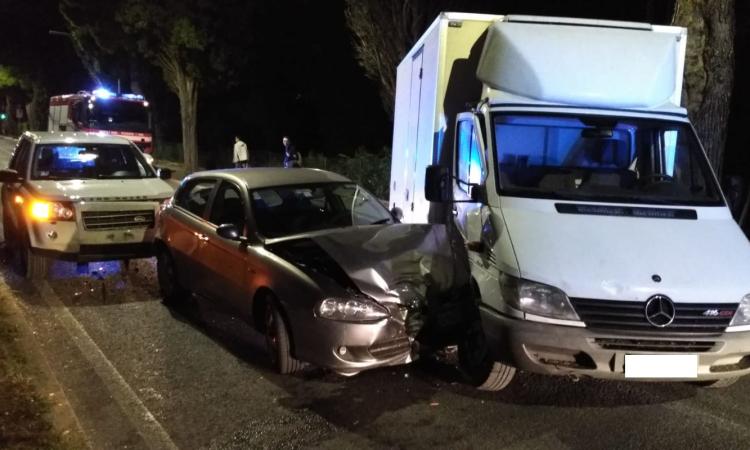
[599, 241]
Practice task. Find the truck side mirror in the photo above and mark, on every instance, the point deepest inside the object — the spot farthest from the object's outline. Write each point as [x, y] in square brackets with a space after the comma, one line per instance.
[478, 193]
[436, 182]
[397, 214]
[10, 176]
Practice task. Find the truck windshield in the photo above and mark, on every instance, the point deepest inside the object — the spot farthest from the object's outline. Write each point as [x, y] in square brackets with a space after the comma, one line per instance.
[118, 115]
[82, 161]
[602, 159]
[287, 210]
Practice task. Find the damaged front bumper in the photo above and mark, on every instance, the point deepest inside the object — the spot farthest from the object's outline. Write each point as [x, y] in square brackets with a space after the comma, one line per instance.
[563, 350]
[349, 348]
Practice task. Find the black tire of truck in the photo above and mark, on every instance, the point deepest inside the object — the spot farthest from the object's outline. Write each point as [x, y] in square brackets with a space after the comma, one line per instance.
[476, 363]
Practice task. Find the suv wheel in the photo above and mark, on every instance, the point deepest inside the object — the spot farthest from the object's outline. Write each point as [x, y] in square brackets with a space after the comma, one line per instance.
[172, 291]
[35, 267]
[278, 343]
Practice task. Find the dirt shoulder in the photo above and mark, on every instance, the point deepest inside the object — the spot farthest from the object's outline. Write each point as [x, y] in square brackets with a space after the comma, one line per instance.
[34, 412]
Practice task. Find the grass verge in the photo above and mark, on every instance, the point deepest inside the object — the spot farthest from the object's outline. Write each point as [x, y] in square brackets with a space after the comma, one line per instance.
[25, 417]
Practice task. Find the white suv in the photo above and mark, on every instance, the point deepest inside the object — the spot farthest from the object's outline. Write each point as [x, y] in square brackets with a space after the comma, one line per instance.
[79, 197]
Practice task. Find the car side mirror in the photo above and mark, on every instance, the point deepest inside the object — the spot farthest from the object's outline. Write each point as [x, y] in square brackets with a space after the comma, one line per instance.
[165, 174]
[397, 214]
[436, 183]
[231, 232]
[10, 176]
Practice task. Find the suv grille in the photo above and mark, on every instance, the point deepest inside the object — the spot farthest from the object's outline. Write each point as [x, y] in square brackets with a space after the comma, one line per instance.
[106, 220]
[641, 345]
[631, 316]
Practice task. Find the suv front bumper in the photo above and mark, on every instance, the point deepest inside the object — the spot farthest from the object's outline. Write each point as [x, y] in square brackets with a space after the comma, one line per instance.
[563, 350]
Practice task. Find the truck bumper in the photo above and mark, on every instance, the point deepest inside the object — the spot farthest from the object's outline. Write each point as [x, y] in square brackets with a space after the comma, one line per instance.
[564, 350]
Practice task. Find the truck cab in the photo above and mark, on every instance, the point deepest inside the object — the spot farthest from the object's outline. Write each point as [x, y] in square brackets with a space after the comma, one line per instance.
[598, 239]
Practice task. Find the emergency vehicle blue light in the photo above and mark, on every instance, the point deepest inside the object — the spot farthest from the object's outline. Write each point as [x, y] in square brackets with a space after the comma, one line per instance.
[103, 93]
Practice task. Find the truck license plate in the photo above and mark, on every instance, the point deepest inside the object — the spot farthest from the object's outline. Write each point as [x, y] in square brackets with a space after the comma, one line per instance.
[661, 366]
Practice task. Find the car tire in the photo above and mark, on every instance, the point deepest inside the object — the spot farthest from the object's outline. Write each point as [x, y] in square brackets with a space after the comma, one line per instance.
[278, 342]
[7, 230]
[35, 267]
[172, 291]
[718, 384]
[476, 364]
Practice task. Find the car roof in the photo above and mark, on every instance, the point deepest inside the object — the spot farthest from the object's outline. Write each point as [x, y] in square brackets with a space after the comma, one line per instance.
[260, 177]
[74, 137]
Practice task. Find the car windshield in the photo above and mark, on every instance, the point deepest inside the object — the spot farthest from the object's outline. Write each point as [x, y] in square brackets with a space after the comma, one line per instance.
[602, 159]
[118, 115]
[287, 210]
[80, 161]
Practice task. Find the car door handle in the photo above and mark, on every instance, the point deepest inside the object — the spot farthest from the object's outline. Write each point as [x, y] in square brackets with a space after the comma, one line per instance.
[455, 212]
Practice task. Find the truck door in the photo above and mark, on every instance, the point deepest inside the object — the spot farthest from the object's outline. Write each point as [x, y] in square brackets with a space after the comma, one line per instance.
[412, 139]
[469, 170]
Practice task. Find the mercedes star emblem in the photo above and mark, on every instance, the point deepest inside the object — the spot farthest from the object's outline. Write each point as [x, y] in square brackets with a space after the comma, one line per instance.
[660, 311]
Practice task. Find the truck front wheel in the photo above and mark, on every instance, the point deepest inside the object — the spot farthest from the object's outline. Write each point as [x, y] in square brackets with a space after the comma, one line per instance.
[477, 365]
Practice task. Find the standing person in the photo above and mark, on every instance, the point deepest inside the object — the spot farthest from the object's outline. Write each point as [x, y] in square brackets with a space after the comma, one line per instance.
[239, 155]
[292, 158]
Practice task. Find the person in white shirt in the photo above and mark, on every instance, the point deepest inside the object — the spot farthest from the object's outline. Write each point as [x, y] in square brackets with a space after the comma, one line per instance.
[239, 157]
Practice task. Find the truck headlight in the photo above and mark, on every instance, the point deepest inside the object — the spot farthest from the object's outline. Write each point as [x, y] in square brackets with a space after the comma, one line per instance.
[742, 316]
[45, 211]
[356, 309]
[537, 299]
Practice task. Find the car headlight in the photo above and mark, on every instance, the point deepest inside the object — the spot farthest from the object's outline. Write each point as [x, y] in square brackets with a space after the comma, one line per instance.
[356, 309]
[45, 211]
[538, 299]
[742, 316]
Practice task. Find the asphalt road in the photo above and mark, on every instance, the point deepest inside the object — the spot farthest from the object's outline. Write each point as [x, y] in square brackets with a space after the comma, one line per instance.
[139, 375]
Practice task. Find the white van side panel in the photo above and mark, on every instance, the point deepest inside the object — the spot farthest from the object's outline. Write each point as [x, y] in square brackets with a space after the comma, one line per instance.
[448, 54]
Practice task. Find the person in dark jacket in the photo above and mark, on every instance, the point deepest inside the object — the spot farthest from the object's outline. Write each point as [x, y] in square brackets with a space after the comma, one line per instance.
[292, 158]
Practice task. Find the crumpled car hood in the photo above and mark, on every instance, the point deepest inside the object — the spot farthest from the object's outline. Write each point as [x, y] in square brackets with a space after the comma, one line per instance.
[379, 261]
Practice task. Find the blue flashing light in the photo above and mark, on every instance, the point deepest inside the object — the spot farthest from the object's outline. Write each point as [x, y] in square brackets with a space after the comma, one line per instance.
[132, 96]
[103, 93]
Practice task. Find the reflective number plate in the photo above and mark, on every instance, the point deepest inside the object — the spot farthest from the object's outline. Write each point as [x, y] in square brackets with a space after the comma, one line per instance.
[661, 366]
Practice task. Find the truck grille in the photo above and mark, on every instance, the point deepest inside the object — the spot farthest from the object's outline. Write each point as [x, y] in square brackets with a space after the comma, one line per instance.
[631, 316]
[640, 345]
[107, 220]
[389, 349]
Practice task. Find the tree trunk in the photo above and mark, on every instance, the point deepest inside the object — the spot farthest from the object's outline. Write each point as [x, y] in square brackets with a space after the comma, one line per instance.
[709, 70]
[38, 108]
[188, 95]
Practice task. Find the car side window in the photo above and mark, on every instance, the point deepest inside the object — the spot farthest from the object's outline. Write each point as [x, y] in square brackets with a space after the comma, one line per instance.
[228, 207]
[20, 160]
[464, 153]
[195, 195]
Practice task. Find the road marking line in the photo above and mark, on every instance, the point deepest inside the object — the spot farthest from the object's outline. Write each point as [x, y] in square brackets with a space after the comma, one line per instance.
[142, 419]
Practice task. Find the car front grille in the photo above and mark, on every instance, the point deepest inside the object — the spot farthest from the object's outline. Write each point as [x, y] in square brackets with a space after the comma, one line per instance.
[661, 346]
[108, 220]
[701, 318]
[390, 349]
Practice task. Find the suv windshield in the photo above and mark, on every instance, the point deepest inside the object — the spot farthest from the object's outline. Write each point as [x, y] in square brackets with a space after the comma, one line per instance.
[78, 161]
[287, 210]
[599, 158]
[118, 115]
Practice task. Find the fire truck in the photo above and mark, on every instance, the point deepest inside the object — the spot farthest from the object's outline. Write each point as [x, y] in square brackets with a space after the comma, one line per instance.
[102, 111]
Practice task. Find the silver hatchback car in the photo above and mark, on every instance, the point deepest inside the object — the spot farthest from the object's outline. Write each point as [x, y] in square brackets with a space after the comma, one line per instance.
[309, 258]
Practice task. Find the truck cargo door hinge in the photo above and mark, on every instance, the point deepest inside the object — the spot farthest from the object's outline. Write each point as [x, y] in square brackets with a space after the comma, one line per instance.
[412, 206]
[420, 73]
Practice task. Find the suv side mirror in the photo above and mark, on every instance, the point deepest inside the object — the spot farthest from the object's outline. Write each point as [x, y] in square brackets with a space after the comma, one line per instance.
[10, 176]
[436, 183]
[165, 174]
[397, 214]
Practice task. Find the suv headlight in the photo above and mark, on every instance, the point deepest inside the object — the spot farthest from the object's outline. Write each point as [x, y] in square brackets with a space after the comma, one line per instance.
[538, 299]
[44, 211]
[742, 316]
[356, 309]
